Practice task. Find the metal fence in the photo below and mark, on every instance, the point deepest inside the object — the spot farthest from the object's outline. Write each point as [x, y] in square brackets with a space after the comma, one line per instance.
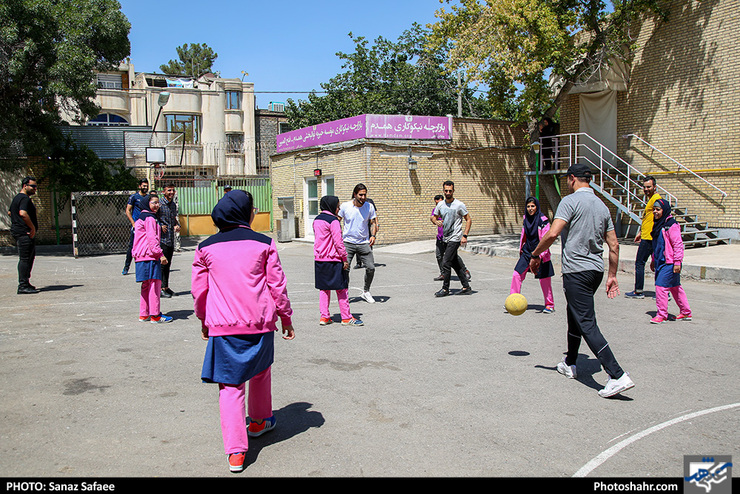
[198, 196]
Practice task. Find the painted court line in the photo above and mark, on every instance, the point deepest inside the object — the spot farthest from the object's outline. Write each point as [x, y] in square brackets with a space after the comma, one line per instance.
[601, 458]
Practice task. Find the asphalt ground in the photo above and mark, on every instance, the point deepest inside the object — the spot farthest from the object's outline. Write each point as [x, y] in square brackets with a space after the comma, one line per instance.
[429, 387]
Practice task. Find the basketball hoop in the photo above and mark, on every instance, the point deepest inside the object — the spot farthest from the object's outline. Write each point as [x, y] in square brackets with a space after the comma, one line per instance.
[158, 169]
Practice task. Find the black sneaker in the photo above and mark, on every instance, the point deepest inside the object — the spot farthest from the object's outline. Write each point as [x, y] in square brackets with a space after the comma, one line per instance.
[442, 293]
[27, 290]
[164, 294]
[465, 291]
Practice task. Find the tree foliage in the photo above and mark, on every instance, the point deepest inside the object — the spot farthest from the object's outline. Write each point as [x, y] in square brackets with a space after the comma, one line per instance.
[387, 77]
[194, 60]
[517, 47]
[50, 52]
[75, 168]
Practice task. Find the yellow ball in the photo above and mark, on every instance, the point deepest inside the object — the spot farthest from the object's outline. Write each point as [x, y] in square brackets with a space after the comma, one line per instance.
[516, 304]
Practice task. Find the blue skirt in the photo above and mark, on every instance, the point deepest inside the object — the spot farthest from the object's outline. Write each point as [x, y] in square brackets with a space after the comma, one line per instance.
[148, 270]
[330, 275]
[237, 359]
[546, 270]
[665, 277]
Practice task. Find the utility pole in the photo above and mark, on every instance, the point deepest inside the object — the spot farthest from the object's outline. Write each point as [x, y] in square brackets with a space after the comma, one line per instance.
[459, 95]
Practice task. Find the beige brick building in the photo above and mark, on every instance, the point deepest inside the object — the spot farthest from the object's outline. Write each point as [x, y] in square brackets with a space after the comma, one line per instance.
[682, 96]
[484, 158]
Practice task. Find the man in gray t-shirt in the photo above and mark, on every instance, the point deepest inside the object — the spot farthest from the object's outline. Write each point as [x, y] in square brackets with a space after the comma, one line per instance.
[449, 213]
[587, 221]
[584, 223]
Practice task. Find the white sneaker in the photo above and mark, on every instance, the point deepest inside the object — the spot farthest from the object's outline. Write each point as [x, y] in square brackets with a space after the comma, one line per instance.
[568, 371]
[368, 298]
[616, 386]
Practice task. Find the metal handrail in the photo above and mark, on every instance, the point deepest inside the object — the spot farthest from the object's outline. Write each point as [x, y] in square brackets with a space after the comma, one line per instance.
[627, 136]
[575, 142]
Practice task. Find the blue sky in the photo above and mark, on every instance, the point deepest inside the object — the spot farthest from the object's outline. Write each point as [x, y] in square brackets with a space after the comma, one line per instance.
[287, 45]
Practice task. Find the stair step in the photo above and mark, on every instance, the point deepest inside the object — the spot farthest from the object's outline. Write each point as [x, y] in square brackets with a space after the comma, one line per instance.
[705, 242]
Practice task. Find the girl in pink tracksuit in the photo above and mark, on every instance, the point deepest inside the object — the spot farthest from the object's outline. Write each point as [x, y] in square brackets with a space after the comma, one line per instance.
[667, 258]
[535, 226]
[149, 258]
[330, 262]
[240, 293]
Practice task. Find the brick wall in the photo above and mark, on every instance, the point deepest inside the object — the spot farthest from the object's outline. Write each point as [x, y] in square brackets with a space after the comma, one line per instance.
[11, 183]
[267, 128]
[485, 160]
[683, 98]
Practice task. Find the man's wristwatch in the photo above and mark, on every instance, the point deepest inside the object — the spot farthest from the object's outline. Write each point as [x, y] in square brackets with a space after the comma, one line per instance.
[465, 236]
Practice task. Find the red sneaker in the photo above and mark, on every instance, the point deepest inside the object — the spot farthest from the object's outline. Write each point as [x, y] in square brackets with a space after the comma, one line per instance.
[256, 430]
[683, 317]
[236, 462]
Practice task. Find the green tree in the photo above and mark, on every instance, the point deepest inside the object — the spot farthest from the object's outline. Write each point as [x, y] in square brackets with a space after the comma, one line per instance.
[74, 168]
[517, 47]
[50, 52]
[387, 77]
[194, 61]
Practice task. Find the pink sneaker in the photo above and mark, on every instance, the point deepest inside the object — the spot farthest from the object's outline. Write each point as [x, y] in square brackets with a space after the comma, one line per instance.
[683, 317]
[657, 320]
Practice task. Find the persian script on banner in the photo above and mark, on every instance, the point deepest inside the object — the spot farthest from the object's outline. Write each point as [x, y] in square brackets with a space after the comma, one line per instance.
[366, 126]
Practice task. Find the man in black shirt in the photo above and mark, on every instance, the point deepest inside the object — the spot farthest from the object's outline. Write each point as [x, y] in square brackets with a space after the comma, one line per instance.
[23, 227]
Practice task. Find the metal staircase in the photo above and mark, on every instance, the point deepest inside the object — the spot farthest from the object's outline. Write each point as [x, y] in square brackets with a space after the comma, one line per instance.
[621, 184]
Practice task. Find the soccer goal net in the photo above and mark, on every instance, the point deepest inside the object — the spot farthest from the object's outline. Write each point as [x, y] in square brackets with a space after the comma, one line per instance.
[99, 223]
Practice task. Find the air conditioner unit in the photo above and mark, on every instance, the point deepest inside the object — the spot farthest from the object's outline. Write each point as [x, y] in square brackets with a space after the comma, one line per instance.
[275, 106]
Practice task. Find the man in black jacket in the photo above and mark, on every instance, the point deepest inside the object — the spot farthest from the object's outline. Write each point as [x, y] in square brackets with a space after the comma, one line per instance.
[23, 227]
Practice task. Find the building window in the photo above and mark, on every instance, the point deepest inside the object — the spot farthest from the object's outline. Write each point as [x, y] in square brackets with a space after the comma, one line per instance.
[234, 143]
[108, 120]
[110, 81]
[188, 124]
[283, 127]
[233, 100]
[312, 197]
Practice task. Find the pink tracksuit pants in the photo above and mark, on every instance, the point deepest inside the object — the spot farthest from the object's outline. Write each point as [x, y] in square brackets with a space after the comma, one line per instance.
[231, 402]
[545, 284]
[149, 301]
[679, 295]
[343, 298]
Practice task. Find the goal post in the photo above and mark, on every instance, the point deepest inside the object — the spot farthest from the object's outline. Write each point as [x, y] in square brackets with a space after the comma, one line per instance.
[99, 222]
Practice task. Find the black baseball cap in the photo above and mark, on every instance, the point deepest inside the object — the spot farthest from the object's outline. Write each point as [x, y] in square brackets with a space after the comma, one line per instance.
[579, 170]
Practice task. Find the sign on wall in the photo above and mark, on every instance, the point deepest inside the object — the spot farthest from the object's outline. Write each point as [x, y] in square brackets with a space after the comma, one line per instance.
[366, 126]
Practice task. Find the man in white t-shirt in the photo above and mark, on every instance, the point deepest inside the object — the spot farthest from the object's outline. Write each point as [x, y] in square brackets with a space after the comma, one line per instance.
[449, 214]
[360, 228]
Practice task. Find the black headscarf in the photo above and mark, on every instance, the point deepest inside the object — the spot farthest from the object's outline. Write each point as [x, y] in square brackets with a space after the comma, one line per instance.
[532, 223]
[233, 209]
[666, 220]
[329, 203]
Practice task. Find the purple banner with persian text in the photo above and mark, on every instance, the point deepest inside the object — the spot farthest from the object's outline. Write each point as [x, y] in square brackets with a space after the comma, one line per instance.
[407, 127]
[366, 126]
[345, 129]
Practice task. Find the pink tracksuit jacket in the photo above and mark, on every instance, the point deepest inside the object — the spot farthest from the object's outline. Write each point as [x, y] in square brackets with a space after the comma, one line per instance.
[328, 244]
[674, 248]
[147, 235]
[238, 284]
